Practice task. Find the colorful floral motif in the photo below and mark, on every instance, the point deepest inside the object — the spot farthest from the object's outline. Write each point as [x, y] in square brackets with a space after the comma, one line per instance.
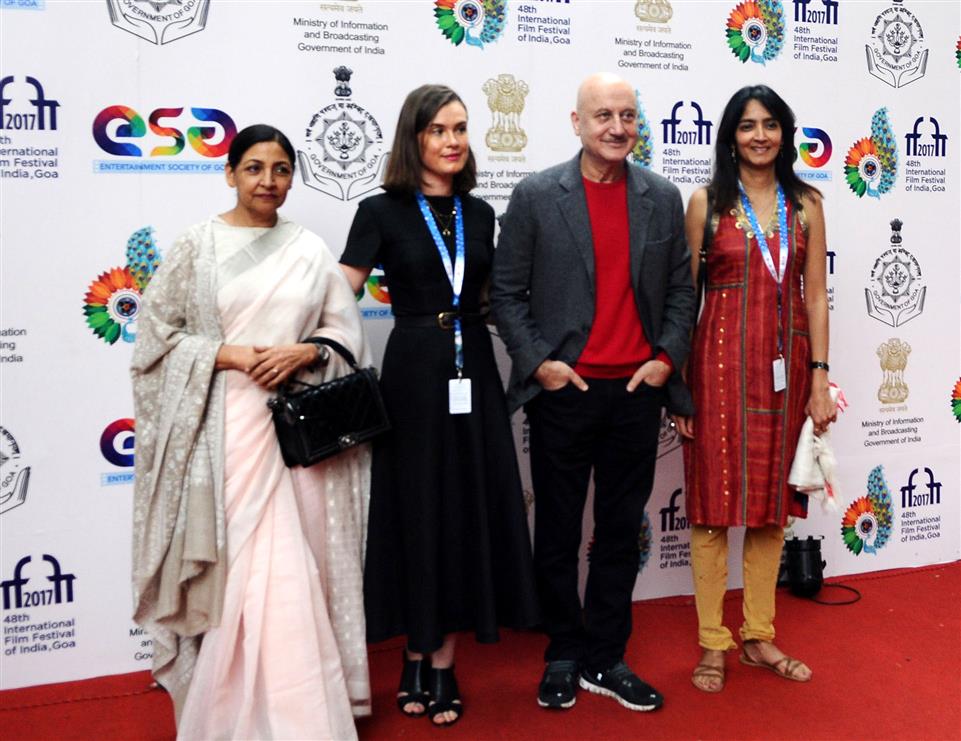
[113, 300]
[871, 164]
[643, 152]
[644, 543]
[755, 30]
[459, 20]
[866, 525]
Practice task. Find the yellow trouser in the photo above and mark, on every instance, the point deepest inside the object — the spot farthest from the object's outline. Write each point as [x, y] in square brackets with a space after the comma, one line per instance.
[762, 559]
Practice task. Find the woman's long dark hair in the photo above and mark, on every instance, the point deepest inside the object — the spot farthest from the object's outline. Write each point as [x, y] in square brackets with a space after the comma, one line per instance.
[404, 167]
[724, 182]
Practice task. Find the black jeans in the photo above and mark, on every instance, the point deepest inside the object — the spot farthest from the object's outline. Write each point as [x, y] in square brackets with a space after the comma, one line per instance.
[571, 432]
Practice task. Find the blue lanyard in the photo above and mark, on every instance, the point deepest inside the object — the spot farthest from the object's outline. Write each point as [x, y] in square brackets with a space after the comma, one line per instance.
[759, 235]
[455, 271]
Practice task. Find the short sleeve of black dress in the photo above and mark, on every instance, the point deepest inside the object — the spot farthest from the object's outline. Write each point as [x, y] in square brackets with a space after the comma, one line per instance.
[364, 238]
[389, 232]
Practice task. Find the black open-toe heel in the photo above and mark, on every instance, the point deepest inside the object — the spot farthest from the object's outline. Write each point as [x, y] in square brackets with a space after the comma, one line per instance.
[413, 681]
[445, 695]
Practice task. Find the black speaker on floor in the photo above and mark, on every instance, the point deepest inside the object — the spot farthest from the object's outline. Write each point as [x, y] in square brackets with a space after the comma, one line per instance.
[805, 569]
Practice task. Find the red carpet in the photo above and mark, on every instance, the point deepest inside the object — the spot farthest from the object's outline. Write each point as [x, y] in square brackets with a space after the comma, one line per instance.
[888, 667]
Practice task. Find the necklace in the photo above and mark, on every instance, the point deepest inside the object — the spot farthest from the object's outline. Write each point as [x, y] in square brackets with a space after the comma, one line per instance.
[445, 224]
[744, 221]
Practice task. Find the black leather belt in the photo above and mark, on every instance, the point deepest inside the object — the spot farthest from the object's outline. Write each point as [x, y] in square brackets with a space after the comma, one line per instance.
[442, 320]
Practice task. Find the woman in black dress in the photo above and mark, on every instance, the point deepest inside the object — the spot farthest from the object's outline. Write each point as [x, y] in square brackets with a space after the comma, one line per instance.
[448, 547]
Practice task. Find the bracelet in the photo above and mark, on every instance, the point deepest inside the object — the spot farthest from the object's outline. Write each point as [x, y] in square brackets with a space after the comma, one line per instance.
[819, 365]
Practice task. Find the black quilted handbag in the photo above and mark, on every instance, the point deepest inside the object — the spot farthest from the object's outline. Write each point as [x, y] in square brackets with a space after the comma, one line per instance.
[325, 419]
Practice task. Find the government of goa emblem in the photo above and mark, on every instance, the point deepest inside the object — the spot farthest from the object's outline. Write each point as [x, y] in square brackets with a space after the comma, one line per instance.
[343, 154]
[159, 21]
[505, 98]
[653, 11]
[896, 291]
[15, 475]
[896, 53]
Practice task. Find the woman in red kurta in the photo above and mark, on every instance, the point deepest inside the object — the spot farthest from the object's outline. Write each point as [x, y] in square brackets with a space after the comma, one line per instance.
[758, 366]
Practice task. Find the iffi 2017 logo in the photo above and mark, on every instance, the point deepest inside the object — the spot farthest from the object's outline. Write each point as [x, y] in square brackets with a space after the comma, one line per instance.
[914, 146]
[866, 525]
[344, 154]
[476, 22]
[113, 300]
[41, 117]
[871, 166]
[910, 495]
[159, 21]
[17, 597]
[755, 30]
[674, 133]
[827, 15]
[897, 53]
[14, 474]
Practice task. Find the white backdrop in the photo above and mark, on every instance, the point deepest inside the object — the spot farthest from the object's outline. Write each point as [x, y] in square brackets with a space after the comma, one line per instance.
[114, 117]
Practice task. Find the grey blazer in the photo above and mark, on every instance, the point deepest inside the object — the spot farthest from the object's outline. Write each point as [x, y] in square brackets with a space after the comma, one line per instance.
[542, 288]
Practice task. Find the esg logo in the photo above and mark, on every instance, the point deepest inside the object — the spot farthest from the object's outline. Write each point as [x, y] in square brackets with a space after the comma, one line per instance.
[208, 141]
[117, 443]
[817, 151]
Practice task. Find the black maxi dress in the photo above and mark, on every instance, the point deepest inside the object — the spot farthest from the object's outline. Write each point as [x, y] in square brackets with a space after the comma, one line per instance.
[448, 547]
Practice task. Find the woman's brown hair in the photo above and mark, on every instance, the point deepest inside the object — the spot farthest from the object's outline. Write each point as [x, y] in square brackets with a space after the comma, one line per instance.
[404, 167]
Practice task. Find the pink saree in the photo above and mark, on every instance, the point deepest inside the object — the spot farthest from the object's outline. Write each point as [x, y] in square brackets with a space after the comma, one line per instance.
[288, 659]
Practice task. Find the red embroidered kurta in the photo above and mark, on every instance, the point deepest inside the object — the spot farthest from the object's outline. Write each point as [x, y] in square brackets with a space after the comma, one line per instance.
[745, 433]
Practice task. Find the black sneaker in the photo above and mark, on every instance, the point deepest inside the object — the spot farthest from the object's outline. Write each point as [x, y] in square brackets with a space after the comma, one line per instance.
[624, 686]
[557, 689]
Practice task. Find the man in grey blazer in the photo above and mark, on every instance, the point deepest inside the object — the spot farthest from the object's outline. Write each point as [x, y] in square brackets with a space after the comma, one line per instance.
[592, 294]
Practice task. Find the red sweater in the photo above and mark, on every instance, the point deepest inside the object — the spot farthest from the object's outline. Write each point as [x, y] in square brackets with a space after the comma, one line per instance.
[616, 346]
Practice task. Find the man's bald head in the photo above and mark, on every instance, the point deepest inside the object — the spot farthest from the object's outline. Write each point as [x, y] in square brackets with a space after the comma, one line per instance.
[596, 86]
[606, 122]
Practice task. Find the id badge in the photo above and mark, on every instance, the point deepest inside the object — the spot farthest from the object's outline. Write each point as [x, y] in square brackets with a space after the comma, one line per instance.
[780, 374]
[458, 396]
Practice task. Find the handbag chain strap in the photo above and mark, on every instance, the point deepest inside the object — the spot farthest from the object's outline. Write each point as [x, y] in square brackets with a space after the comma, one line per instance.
[334, 345]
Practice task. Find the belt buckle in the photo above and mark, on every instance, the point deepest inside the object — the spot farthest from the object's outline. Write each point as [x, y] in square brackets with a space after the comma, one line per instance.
[445, 319]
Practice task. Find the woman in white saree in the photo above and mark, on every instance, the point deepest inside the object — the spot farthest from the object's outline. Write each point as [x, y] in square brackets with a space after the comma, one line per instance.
[246, 573]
